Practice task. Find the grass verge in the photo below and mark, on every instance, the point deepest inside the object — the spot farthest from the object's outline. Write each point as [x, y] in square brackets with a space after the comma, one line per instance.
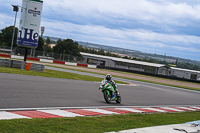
[172, 85]
[54, 74]
[96, 124]
[178, 86]
[185, 87]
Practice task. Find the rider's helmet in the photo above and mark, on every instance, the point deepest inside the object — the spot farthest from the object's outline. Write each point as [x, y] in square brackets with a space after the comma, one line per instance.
[108, 77]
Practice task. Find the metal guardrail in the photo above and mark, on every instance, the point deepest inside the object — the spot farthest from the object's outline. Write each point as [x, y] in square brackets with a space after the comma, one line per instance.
[37, 67]
[13, 63]
[21, 65]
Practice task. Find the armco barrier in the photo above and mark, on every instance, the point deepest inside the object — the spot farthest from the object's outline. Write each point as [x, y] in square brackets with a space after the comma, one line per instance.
[71, 63]
[17, 57]
[145, 73]
[13, 63]
[35, 59]
[82, 65]
[50, 61]
[22, 65]
[92, 66]
[5, 55]
[45, 60]
[37, 67]
[59, 62]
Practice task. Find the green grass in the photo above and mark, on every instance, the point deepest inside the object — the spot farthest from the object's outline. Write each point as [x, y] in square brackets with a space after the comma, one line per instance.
[54, 74]
[88, 124]
[154, 82]
[98, 124]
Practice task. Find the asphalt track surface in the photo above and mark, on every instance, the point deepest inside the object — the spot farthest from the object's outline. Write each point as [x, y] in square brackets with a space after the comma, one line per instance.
[22, 91]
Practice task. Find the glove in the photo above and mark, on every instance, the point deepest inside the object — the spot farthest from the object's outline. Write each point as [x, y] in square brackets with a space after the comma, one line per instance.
[100, 87]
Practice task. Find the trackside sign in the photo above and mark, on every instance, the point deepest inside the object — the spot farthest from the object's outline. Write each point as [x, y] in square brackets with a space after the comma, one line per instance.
[29, 26]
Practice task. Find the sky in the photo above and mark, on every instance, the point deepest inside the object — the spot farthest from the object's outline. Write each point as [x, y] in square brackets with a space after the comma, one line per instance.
[170, 27]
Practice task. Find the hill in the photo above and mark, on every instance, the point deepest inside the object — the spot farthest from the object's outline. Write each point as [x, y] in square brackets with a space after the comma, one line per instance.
[131, 53]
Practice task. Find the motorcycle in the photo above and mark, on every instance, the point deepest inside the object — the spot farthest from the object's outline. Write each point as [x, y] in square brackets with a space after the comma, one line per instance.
[107, 90]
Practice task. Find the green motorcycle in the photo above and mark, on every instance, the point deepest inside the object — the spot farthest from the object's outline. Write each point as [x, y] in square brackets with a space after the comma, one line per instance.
[107, 90]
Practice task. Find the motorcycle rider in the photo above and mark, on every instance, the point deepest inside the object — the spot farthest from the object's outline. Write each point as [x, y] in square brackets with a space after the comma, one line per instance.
[108, 79]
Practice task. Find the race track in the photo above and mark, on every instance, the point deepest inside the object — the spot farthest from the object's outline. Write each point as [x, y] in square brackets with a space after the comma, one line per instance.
[22, 91]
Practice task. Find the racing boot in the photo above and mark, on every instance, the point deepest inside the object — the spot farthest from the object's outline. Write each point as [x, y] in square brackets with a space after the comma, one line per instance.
[113, 96]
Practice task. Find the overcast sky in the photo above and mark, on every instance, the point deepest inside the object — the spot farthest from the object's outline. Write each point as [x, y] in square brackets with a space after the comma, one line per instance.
[152, 26]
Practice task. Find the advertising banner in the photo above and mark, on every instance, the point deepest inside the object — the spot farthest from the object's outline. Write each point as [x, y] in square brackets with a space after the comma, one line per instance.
[29, 26]
[96, 62]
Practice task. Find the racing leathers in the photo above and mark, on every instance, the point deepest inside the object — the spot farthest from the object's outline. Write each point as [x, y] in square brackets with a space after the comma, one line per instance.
[114, 86]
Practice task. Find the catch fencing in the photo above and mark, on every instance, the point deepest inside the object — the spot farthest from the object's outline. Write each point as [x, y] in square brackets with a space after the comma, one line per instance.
[32, 53]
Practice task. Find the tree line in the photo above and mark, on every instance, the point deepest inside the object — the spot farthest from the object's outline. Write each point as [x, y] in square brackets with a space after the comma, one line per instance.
[70, 47]
[67, 46]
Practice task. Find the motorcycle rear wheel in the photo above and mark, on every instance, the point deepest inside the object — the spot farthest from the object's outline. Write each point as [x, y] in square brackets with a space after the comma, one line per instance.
[107, 97]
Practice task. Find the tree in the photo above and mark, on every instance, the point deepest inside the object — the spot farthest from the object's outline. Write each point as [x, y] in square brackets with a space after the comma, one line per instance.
[188, 66]
[68, 47]
[6, 36]
[81, 49]
[125, 57]
[1, 39]
[48, 41]
[40, 44]
[46, 46]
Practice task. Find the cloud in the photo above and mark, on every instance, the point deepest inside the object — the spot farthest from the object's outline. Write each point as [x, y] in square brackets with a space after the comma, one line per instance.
[142, 10]
[139, 35]
[7, 21]
[155, 26]
[186, 49]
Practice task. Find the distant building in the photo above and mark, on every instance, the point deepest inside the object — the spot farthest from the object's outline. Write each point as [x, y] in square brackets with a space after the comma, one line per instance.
[185, 73]
[114, 62]
[52, 45]
[139, 66]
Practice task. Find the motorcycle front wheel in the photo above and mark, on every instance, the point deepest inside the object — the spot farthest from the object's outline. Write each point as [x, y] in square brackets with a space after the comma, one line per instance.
[118, 99]
[107, 97]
